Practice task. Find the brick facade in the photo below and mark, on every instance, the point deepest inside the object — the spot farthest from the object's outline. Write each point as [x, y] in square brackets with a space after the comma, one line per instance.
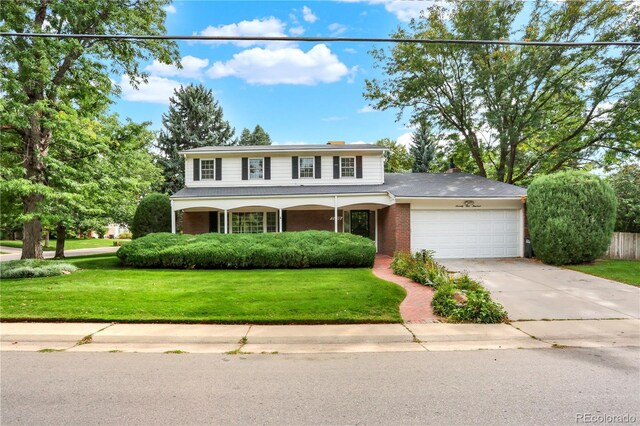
[394, 228]
[195, 222]
[304, 220]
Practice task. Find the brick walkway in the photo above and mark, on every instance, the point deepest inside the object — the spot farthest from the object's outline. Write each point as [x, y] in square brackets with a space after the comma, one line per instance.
[416, 307]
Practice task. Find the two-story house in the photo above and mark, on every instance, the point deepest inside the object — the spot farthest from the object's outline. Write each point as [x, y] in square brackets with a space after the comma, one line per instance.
[343, 188]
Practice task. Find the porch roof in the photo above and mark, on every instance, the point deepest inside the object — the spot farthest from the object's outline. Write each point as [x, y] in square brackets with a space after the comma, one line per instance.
[406, 185]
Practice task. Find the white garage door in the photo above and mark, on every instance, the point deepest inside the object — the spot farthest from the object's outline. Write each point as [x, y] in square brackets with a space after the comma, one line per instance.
[467, 233]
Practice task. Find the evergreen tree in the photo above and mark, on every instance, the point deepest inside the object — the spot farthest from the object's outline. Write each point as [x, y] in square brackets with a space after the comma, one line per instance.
[422, 149]
[257, 137]
[194, 119]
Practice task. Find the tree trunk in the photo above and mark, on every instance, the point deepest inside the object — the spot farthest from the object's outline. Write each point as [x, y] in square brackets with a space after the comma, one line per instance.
[35, 148]
[46, 239]
[61, 235]
[31, 230]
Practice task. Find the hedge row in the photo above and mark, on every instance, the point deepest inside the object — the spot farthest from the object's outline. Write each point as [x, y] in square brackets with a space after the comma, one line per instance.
[249, 251]
[457, 297]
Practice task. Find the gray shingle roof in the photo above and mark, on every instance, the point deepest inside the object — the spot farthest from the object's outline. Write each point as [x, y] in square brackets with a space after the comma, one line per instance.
[285, 148]
[427, 185]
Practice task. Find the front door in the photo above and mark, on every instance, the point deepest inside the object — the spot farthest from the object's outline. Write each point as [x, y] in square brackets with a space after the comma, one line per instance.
[360, 223]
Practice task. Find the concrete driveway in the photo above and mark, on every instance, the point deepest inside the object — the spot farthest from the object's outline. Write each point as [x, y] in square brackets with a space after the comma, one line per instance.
[530, 290]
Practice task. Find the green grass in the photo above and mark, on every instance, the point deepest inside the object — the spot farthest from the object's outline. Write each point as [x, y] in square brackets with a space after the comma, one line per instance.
[625, 271]
[104, 291]
[69, 244]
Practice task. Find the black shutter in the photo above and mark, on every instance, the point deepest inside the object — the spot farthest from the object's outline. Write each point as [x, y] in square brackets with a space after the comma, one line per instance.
[267, 168]
[245, 168]
[218, 168]
[294, 167]
[336, 167]
[359, 167]
[284, 221]
[196, 169]
[318, 167]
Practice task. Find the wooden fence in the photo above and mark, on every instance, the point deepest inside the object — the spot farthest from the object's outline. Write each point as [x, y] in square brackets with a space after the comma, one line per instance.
[624, 245]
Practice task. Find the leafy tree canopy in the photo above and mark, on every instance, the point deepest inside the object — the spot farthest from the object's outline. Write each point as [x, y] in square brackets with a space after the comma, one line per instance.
[520, 111]
[257, 137]
[626, 185]
[46, 81]
[396, 158]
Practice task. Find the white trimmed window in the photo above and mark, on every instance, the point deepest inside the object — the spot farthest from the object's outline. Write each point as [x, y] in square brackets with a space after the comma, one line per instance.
[306, 167]
[347, 166]
[253, 222]
[207, 169]
[256, 168]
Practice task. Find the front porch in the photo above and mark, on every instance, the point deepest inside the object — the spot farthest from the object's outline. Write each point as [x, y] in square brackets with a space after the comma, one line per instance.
[354, 213]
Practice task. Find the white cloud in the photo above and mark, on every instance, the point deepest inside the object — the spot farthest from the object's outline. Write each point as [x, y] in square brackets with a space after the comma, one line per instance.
[266, 27]
[358, 143]
[350, 50]
[333, 118]
[404, 10]
[296, 31]
[170, 9]
[158, 90]
[337, 29]
[353, 72]
[365, 109]
[283, 66]
[405, 139]
[308, 15]
[192, 67]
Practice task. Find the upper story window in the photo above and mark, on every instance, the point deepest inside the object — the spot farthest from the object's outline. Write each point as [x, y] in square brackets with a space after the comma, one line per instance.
[207, 169]
[306, 167]
[347, 166]
[256, 168]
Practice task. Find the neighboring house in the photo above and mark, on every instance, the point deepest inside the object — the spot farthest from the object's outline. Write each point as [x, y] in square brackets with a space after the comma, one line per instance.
[115, 229]
[343, 188]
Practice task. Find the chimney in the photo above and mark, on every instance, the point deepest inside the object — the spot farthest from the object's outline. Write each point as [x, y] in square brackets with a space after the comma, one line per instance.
[335, 143]
[453, 168]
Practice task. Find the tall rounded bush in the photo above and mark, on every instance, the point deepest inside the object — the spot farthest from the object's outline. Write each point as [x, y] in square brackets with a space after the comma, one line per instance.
[153, 214]
[571, 217]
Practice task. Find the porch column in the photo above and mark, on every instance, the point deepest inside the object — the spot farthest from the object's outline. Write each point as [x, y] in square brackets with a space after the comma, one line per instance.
[279, 220]
[375, 231]
[226, 226]
[335, 214]
[173, 219]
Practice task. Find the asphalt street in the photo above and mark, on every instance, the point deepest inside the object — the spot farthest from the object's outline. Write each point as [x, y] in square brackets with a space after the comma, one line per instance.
[525, 386]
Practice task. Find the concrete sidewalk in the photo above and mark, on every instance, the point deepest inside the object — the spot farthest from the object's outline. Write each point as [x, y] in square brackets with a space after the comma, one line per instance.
[15, 254]
[237, 339]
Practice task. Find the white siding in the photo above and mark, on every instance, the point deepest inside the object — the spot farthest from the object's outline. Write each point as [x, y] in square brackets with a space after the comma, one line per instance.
[372, 171]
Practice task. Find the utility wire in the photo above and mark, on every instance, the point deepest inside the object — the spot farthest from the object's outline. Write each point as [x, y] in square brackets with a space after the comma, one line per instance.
[322, 39]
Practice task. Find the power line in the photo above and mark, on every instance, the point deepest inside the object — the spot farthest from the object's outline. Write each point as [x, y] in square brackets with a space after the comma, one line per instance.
[323, 39]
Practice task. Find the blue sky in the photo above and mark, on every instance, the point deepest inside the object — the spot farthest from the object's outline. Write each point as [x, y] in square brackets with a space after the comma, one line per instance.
[299, 92]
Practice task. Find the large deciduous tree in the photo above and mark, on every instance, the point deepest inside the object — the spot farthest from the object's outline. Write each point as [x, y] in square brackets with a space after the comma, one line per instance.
[626, 185]
[194, 119]
[520, 111]
[42, 79]
[396, 158]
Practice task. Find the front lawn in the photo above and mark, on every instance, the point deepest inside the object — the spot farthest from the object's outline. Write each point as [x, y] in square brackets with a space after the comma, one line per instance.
[69, 244]
[625, 271]
[104, 291]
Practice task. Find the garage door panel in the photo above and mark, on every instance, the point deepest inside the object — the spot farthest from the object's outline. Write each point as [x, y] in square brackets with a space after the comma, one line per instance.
[468, 233]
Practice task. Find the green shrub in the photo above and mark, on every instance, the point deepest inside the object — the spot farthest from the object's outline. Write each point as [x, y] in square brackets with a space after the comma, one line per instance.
[247, 251]
[32, 268]
[571, 217]
[422, 268]
[153, 214]
[128, 235]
